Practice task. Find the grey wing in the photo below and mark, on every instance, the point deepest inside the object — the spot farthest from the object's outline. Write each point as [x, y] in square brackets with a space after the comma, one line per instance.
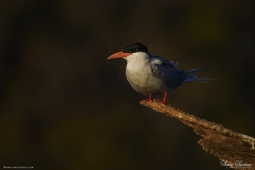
[165, 70]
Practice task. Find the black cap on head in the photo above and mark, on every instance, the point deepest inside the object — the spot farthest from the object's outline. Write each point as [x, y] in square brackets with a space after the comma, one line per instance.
[136, 47]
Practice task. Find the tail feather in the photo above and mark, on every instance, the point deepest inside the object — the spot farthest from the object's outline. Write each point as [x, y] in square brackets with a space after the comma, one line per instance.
[194, 78]
[196, 70]
[191, 77]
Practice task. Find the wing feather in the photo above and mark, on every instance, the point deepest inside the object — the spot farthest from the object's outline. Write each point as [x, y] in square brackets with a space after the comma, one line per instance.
[167, 71]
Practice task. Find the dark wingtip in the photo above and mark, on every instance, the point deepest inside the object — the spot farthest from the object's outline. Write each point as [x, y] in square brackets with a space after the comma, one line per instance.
[193, 71]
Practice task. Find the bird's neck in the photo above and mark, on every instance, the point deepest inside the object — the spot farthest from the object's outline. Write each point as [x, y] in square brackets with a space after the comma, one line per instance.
[137, 61]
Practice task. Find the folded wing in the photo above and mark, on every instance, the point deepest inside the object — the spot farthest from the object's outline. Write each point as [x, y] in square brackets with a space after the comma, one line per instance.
[167, 71]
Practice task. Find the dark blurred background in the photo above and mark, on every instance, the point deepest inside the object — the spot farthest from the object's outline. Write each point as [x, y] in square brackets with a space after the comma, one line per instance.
[64, 106]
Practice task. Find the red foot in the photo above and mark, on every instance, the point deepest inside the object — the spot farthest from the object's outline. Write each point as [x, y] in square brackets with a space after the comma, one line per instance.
[164, 100]
[160, 101]
[147, 100]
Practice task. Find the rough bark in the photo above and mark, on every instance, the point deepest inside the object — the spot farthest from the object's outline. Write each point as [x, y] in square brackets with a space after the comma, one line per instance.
[235, 150]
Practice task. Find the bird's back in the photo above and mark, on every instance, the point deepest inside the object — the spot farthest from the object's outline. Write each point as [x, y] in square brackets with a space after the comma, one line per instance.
[167, 72]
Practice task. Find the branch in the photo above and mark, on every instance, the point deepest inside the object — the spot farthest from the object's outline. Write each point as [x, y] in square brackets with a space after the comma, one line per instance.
[232, 148]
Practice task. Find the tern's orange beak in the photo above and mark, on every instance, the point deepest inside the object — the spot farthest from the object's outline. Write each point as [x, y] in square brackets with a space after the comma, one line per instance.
[118, 55]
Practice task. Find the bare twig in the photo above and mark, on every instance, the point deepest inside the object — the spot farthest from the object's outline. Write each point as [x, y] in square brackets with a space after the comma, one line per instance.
[232, 148]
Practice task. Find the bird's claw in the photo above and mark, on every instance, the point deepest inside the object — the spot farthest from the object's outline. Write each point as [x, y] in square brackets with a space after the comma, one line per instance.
[162, 101]
[146, 100]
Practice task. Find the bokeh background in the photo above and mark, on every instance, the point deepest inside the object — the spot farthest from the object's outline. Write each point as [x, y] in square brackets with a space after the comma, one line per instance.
[64, 106]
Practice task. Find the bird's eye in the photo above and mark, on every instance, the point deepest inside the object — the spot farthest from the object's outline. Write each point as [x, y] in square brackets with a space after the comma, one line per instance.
[133, 49]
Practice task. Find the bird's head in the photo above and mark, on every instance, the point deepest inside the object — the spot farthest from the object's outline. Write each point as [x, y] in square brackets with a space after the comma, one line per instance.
[129, 51]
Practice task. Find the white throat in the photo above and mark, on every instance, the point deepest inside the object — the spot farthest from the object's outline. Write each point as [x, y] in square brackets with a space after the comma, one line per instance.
[136, 61]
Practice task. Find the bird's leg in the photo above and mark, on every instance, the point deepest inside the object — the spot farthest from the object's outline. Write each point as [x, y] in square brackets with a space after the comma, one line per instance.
[146, 100]
[149, 97]
[164, 100]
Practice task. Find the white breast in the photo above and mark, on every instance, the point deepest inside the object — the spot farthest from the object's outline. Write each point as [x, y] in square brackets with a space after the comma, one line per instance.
[140, 76]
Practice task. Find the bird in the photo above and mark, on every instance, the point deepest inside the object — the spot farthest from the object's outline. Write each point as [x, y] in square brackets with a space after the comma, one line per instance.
[154, 75]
